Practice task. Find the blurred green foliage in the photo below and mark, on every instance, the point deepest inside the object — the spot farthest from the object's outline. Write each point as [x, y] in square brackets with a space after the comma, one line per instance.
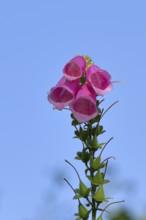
[122, 215]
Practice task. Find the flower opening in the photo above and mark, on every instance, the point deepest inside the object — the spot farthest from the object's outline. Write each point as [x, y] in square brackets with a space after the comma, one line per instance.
[75, 68]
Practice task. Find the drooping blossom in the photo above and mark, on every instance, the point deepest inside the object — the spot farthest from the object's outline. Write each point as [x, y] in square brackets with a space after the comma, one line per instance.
[99, 80]
[63, 93]
[75, 68]
[83, 106]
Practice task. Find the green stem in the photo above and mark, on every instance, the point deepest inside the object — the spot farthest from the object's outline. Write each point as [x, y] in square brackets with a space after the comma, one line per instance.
[93, 187]
[93, 214]
[93, 190]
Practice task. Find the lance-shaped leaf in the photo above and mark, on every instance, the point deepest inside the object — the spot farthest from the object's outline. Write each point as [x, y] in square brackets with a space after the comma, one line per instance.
[99, 195]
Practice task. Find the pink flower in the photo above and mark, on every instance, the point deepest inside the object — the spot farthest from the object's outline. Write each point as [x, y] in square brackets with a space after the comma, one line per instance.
[63, 93]
[75, 68]
[84, 105]
[99, 80]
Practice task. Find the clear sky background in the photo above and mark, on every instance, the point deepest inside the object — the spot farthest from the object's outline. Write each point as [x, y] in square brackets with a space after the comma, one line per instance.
[37, 38]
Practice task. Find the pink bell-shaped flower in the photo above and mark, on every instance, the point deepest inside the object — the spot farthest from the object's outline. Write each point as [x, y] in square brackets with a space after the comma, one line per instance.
[63, 93]
[84, 105]
[99, 80]
[75, 68]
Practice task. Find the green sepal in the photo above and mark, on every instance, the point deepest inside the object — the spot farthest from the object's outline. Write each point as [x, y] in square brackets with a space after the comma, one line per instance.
[79, 156]
[106, 181]
[95, 142]
[102, 165]
[84, 156]
[78, 218]
[77, 191]
[99, 129]
[74, 120]
[89, 142]
[77, 197]
[101, 144]
[76, 214]
[84, 191]
[83, 212]
[95, 163]
[99, 195]
[89, 178]
[92, 143]
[83, 134]
[98, 179]
[96, 119]
[77, 133]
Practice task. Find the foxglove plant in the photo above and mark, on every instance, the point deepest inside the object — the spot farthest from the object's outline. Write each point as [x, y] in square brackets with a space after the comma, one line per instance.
[79, 88]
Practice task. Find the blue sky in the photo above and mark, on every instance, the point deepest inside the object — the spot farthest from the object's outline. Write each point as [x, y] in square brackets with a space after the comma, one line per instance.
[37, 38]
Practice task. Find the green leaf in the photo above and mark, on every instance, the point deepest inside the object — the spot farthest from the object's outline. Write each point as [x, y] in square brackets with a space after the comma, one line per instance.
[99, 195]
[84, 191]
[83, 212]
